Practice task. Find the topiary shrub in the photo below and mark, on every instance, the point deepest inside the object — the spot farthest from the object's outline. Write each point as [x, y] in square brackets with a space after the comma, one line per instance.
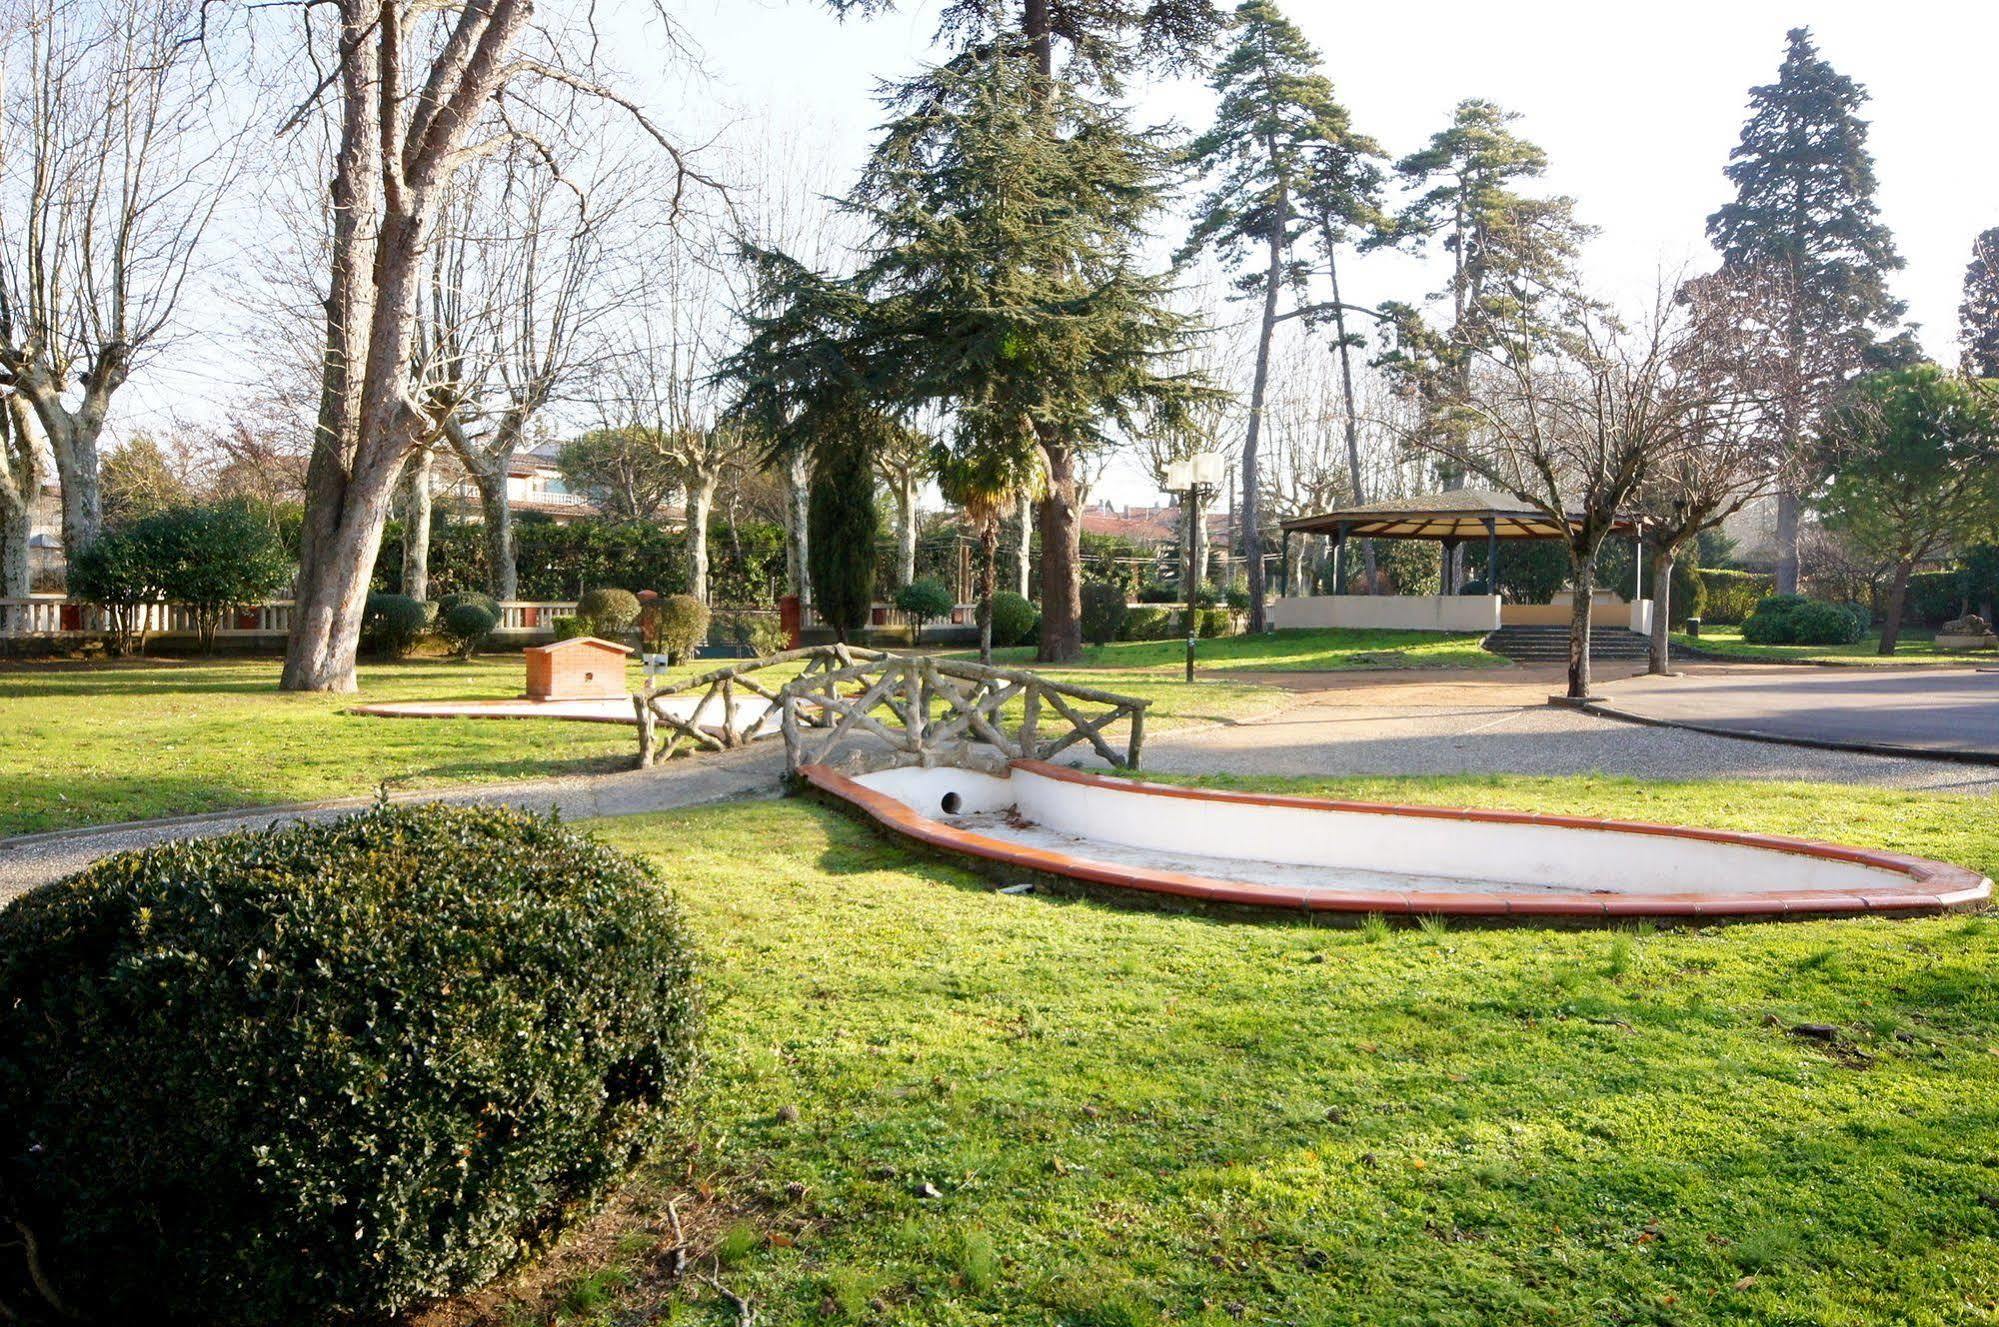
[610, 613]
[1158, 592]
[1792, 619]
[674, 626]
[571, 628]
[1103, 611]
[1149, 623]
[1689, 593]
[467, 626]
[320, 1072]
[391, 624]
[925, 600]
[1212, 622]
[1016, 621]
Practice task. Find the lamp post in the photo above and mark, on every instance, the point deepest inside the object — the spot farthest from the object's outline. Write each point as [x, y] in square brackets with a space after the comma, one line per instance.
[1197, 477]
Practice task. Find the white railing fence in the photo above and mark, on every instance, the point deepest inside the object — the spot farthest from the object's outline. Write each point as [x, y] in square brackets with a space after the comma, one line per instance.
[56, 617]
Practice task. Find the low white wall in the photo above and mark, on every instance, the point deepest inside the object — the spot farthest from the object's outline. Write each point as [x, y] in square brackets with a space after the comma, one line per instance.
[1397, 612]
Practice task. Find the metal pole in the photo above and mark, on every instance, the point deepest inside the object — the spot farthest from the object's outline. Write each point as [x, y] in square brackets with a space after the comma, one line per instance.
[1193, 524]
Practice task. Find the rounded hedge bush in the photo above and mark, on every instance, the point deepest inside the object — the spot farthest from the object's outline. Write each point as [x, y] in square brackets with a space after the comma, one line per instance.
[392, 623]
[570, 628]
[325, 1071]
[485, 601]
[1103, 611]
[926, 599]
[675, 626]
[1817, 623]
[467, 625]
[1016, 621]
[610, 613]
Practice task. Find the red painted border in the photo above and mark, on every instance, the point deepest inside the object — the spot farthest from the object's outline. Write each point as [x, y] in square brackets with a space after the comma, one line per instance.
[1933, 886]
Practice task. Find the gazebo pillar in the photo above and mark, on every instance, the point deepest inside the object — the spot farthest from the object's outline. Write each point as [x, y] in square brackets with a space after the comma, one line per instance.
[1284, 566]
[1340, 558]
[1637, 567]
[1491, 555]
[1446, 573]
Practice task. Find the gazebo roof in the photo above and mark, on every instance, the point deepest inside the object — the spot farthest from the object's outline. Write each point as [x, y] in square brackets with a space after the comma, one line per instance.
[1460, 513]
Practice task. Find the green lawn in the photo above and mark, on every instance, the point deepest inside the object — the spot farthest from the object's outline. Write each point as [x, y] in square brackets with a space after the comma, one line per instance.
[968, 1108]
[89, 744]
[1329, 649]
[1914, 647]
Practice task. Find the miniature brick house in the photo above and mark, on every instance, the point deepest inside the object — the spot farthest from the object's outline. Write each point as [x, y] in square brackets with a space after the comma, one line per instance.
[581, 669]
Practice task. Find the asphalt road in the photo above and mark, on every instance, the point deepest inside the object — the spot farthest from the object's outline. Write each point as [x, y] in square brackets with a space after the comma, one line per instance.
[1920, 711]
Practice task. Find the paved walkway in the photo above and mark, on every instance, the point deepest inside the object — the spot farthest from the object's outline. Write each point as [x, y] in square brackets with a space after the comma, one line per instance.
[1918, 710]
[1446, 722]
[1493, 722]
[748, 772]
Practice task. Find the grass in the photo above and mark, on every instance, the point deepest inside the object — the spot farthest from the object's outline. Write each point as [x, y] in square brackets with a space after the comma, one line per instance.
[971, 1108]
[91, 744]
[1329, 649]
[1914, 647]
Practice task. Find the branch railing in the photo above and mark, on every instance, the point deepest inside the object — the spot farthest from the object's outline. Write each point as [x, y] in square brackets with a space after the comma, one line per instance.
[715, 721]
[947, 711]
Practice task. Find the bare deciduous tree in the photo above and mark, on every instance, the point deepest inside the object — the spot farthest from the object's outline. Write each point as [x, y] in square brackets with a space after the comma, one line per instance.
[421, 92]
[112, 164]
[1577, 428]
[21, 470]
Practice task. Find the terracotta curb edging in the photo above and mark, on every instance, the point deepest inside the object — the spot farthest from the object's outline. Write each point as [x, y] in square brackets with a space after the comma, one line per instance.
[1935, 886]
[1607, 710]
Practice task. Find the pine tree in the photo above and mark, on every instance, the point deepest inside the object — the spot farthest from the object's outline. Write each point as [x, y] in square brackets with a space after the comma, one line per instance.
[1804, 210]
[1978, 315]
[843, 528]
[1077, 55]
[1512, 254]
[1285, 163]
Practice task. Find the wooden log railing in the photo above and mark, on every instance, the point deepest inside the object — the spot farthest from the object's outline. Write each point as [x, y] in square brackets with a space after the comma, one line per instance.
[947, 711]
[714, 723]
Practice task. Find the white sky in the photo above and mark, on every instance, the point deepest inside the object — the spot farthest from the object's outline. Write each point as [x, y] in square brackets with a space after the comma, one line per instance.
[1637, 105]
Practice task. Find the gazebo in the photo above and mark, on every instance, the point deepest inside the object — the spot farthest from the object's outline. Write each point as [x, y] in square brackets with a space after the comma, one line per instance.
[1453, 518]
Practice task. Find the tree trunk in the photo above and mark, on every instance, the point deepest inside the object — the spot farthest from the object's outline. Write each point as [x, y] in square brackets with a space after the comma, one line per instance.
[1787, 542]
[700, 511]
[1898, 595]
[797, 490]
[1061, 554]
[497, 512]
[1583, 571]
[1663, 559]
[905, 526]
[1251, 534]
[988, 582]
[1024, 555]
[416, 524]
[1349, 402]
[16, 582]
[333, 585]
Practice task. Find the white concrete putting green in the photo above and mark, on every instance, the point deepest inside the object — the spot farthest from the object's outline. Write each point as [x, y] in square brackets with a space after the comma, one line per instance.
[1307, 853]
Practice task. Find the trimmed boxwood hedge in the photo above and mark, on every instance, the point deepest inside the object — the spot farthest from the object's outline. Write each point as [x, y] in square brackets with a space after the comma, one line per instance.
[1732, 595]
[326, 1071]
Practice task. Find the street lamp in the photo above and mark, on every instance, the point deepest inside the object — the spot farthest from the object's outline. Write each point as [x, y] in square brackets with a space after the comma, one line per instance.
[1197, 477]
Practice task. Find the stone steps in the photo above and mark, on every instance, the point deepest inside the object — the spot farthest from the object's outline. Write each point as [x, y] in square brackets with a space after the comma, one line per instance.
[1551, 644]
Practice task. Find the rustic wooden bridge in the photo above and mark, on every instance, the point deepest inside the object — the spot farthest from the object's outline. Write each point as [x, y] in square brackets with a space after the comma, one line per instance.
[873, 708]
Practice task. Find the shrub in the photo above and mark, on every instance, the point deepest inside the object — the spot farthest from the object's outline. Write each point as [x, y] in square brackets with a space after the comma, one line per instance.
[119, 574]
[1791, 619]
[1689, 592]
[925, 600]
[1933, 598]
[1157, 592]
[1730, 597]
[1149, 623]
[610, 613]
[1016, 621]
[1211, 622]
[674, 626]
[1819, 623]
[1862, 614]
[467, 626]
[1103, 611]
[485, 601]
[571, 628]
[319, 1072]
[392, 623]
[214, 559]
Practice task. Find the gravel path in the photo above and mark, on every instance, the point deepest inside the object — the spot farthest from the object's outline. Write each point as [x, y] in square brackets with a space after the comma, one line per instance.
[1382, 723]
